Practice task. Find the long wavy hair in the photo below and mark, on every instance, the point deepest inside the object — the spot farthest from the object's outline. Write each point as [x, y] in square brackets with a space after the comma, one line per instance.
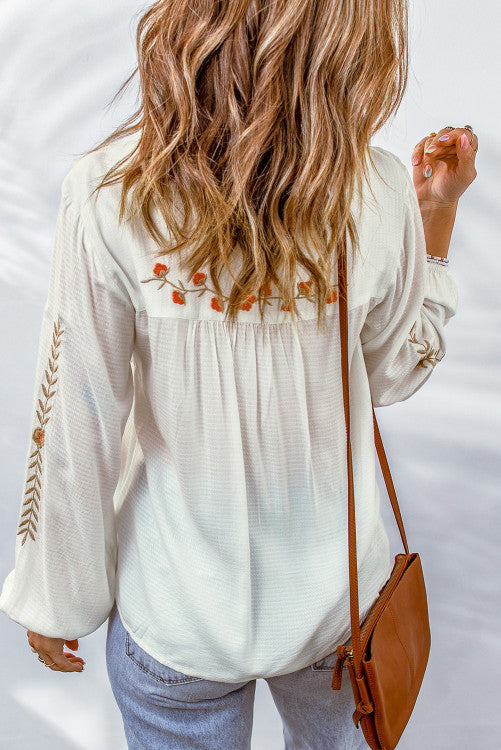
[259, 114]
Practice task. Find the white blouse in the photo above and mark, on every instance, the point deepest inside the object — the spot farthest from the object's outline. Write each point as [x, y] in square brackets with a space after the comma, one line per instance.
[198, 474]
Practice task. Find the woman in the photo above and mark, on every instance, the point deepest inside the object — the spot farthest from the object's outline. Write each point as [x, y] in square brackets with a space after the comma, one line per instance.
[186, 474]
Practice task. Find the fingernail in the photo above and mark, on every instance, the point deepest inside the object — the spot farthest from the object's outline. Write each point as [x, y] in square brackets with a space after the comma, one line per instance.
[444, 138]
[430, 149]
[415, 160]
[464, 141]
[428, 171]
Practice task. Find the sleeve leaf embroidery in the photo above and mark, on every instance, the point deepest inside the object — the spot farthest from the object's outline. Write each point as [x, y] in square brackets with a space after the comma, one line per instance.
[28, 525]
[430, 354]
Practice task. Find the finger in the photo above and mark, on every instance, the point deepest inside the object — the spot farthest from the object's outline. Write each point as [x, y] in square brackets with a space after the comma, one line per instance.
[422, 144]
[449, 141]
[61, 663]
[418, 153]
[471, 143]
[74, 658]
[444, 143]
[466, 158]
[51, 662]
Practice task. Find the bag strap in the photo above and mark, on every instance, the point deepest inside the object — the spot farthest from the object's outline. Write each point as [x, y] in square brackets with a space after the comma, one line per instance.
[352, 549]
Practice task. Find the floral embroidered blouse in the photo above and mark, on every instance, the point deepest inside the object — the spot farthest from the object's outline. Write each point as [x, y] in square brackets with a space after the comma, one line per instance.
[197, 474]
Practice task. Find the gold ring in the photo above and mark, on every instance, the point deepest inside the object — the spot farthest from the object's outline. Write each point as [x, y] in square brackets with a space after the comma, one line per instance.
[47, 665]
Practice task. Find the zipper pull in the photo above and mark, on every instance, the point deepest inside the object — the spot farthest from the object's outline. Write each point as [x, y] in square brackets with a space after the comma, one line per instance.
[342, 654]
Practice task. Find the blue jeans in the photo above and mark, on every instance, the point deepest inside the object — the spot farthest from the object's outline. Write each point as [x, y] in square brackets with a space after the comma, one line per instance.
[163, 708]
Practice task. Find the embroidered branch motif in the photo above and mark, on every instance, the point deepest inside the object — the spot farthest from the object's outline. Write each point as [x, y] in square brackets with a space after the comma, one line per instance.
[430, 354]
[160, 272]
[30, 516]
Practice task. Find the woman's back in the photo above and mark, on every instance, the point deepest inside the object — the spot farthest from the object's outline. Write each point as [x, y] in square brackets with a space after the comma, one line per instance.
[231, 509]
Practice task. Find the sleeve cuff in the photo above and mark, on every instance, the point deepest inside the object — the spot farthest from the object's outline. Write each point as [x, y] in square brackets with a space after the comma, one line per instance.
[441, 287]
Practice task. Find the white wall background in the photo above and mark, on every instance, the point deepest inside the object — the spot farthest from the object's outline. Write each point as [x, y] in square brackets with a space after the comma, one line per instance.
[61, 64]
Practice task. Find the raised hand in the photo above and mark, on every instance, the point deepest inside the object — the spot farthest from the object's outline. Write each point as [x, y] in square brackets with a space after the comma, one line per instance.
[443, 175]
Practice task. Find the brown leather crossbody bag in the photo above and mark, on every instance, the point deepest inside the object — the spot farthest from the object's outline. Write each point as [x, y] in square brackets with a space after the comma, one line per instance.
[388, 653]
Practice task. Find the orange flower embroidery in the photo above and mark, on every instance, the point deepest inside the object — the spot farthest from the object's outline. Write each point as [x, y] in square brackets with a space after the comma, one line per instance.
[216, 305]
[178, 298]
[160, 269]
[249, 302]
[38, 436]
[28, 525]
[199, 280]
[304, 287]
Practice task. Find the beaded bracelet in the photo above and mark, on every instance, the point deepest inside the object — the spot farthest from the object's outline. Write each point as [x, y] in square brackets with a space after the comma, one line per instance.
[437, 259]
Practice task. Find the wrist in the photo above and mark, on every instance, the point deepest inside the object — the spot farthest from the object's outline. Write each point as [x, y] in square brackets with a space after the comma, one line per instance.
[438, 223]
[437, 207]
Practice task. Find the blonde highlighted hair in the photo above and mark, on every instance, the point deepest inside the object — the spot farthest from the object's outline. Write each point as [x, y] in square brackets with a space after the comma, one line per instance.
[259, 114]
